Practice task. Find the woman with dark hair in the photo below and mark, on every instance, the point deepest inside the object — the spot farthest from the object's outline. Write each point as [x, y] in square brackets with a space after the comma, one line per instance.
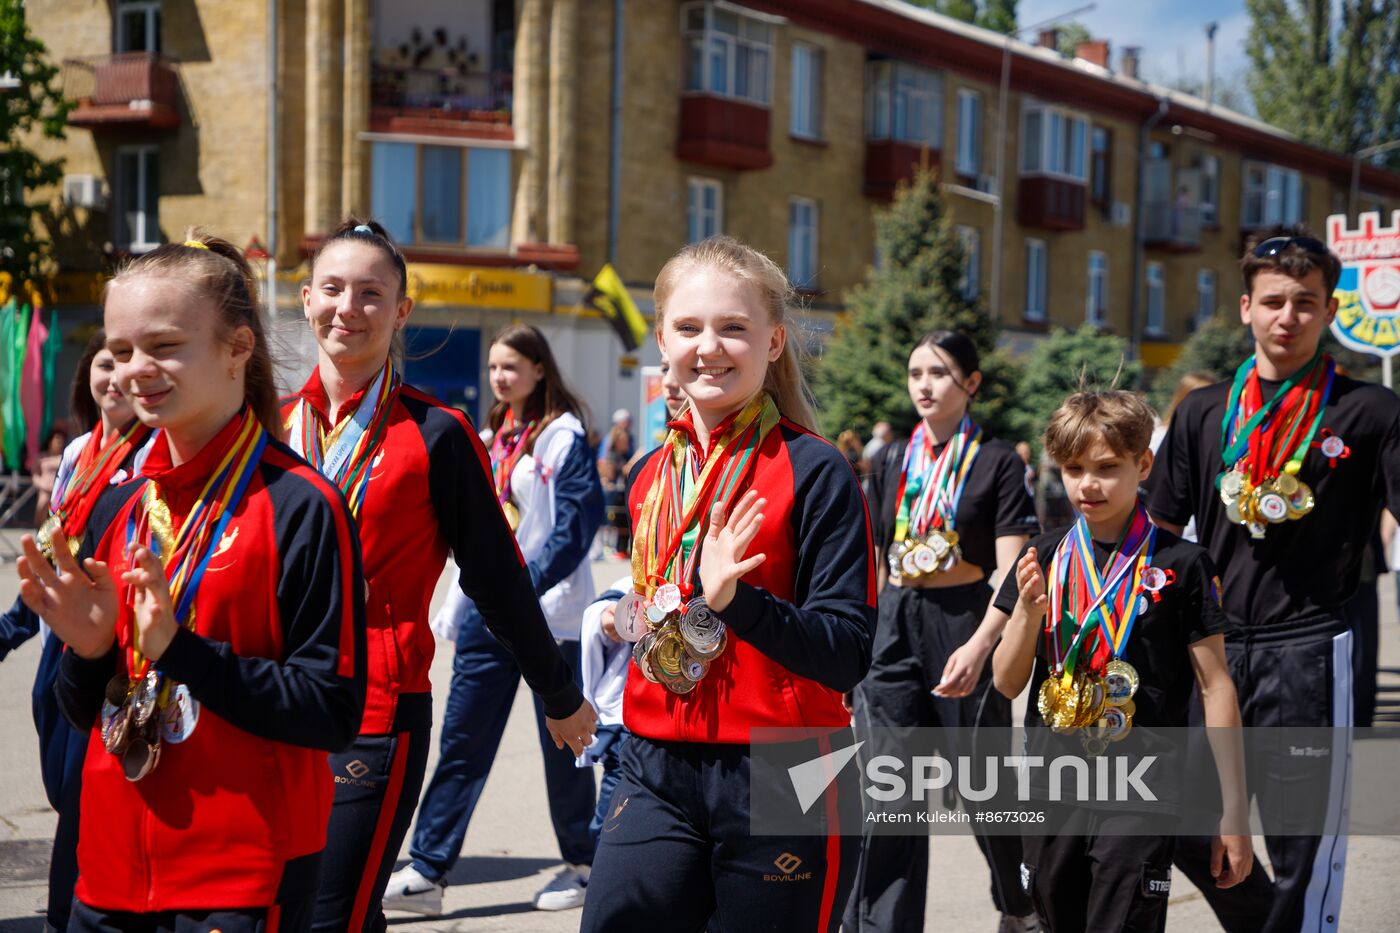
[414, 475]
[950, 511]
[547, 483]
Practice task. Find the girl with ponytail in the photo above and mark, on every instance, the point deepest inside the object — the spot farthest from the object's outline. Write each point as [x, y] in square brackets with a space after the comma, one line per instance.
[214, 618]
[751, 606]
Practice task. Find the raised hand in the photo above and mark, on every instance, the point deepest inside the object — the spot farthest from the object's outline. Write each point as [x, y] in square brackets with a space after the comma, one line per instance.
[1030, 579]
[78, 603]
[155, 613]
[722, 557]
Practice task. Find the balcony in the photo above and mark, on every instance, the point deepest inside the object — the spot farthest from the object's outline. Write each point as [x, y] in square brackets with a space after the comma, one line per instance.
[890, 161]
[1050, 203]
[722, 132]
[448, 101]
[130, 90]
[1172, 227]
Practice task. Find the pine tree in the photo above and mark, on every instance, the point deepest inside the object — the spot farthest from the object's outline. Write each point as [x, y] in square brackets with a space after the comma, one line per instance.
[996, 15]
[862, 376]
[1063, 363]
[36, 106]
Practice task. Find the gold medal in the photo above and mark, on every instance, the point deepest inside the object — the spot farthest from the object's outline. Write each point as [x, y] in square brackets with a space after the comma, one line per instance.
[668, 653]
[1121, 682]
[512, 515]
[1047, 698]
[926, 558]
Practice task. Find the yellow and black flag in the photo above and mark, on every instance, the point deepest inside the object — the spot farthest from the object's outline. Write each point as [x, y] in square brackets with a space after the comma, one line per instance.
[609, 296]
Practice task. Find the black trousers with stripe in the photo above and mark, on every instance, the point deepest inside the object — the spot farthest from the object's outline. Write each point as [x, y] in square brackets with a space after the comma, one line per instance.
[1298, 675]
[377, 782]
[918, 630]
[676, 852]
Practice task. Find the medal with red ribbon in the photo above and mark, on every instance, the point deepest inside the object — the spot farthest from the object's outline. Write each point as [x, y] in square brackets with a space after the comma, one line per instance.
[73, 501]
[507, 447]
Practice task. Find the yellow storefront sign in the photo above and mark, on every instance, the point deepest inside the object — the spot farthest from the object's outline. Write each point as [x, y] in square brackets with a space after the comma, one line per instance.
[508, 289]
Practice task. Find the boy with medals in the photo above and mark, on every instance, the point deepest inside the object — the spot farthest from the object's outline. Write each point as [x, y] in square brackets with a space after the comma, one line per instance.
[1113, 622]
[1285, 469]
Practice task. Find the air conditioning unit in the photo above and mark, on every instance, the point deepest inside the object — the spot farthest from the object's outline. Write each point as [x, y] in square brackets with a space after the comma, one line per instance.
[88, 191]
[1122, 214]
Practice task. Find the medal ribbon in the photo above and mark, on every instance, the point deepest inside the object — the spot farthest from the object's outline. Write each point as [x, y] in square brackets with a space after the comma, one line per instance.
[186, 554]
[507, 447]
[345, 455]
[96, 466]
[1299, 401]
[667, 515]
[934, 503]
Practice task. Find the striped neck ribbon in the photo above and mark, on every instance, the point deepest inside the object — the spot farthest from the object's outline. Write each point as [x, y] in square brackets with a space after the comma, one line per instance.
[345, 454]
[931, 485]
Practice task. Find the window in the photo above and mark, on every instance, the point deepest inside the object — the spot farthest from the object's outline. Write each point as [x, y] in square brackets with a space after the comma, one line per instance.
[1272, 195]
[970, 282]
[138, 26]
[969, 160]
[1156, 299]
[705, 209]
[1205, 296]
[1100, 171]
[1210, 190]
[1096, 297]
[1036, 289]
[1053, 142]
[442, 195]
[904, 103]
[727, 53]
[802, 243]
[806, 121]
[138, 198]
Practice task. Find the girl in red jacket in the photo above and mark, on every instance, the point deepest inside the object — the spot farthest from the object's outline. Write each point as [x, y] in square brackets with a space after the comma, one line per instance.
[752, 607]
[418, 483]
[214, 618]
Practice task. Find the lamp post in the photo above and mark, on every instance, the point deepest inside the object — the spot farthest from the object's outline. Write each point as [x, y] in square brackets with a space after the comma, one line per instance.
[999, 199]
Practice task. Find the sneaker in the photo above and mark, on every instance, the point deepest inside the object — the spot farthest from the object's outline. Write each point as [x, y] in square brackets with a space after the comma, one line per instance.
[1027, 924]
[409, 890]
[566, 891]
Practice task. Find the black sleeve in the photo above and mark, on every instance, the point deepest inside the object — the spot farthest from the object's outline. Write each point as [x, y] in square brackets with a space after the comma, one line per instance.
[492, 571]
[1204, 615]
[884, 484]
[315, 695]
[1173, 486]
[1015, 502]
[826, 636]
[17, 626]
[578, 511]
[1011, 590]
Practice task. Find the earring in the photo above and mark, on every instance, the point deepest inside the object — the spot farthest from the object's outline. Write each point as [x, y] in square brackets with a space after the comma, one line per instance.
[233, 372]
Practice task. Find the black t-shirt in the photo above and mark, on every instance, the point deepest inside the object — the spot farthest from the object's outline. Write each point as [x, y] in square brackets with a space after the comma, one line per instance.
[1299, 569]
[1187, 612]
[996, 502]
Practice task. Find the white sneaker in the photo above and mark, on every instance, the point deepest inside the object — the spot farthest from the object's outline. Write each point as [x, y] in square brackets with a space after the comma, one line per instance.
[408, 890]
[566, 891]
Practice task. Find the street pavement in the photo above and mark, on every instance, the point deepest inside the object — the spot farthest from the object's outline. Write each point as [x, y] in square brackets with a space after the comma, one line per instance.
[510, 851]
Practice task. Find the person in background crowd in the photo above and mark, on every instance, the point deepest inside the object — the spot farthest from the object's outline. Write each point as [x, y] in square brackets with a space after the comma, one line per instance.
[880, 435]
[612, 470]
[46, 473]
[546, 480]
[848, 442]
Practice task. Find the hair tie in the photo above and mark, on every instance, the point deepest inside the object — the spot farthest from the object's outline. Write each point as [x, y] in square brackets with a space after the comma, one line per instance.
[195, 244]
[365, 228]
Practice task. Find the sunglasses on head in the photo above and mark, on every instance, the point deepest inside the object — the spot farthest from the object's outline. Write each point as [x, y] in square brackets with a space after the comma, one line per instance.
[1275, 245]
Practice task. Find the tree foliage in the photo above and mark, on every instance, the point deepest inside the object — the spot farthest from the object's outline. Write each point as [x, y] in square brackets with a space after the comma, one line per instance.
[917, 288]
[1063, 363]
[1334, 84]
[36, 106]
[996, 15]
[1216, 349]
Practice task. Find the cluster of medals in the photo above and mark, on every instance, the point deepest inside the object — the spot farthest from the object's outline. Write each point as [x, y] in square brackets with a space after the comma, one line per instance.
[507, 447]
[142, 709]
[931, 486]
[1090, 619]
[72, 502]
[1265, 445]
[674, 640]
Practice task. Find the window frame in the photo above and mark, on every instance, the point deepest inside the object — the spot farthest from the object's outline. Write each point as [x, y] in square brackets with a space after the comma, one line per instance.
[1036, 310]
[710, 36]
[1061, 131]
[1155, 289]
[1210, 190]
[967, 159]
[1096, 312]
[150, 9]
[1100, 167]
[809, 281]
[464, 242]
[891, 89]
[698, 184]
[1204, 313]
[126, 239]
[1274, 191]
[970, 281]
[812, 113]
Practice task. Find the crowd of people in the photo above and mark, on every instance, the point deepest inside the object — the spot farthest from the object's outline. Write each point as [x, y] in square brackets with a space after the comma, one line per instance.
[226, 577]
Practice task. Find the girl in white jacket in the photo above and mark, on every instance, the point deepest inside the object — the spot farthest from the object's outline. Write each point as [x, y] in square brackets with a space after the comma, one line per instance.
[548, 485]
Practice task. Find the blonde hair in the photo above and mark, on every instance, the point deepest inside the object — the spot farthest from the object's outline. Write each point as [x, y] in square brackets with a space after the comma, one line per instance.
[784, 380]
[1121, 419]
[1189, 383]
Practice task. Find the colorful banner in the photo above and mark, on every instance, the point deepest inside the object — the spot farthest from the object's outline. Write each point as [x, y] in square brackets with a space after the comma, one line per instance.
[653, 409]
[1368, 293]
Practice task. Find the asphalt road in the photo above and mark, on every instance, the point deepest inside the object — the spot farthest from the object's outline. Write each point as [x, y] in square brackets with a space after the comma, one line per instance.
[510, 850]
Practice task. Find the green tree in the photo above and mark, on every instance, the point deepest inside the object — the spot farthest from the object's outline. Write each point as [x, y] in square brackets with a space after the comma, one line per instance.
[1333, 87]
[861, 378]
[1070, 35]
[996, 15]
[1216, 349]
[1061, 364]
[36, 106]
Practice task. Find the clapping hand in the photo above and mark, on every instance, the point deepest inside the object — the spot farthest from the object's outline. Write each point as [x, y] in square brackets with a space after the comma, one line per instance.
[78, 603]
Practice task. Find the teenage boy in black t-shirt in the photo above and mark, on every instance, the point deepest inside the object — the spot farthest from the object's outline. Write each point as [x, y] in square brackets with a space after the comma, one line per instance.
[1095, 874]
[1286, 582]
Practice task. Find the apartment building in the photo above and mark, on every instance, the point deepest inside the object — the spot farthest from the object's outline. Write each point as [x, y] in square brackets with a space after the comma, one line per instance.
[514, 146]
